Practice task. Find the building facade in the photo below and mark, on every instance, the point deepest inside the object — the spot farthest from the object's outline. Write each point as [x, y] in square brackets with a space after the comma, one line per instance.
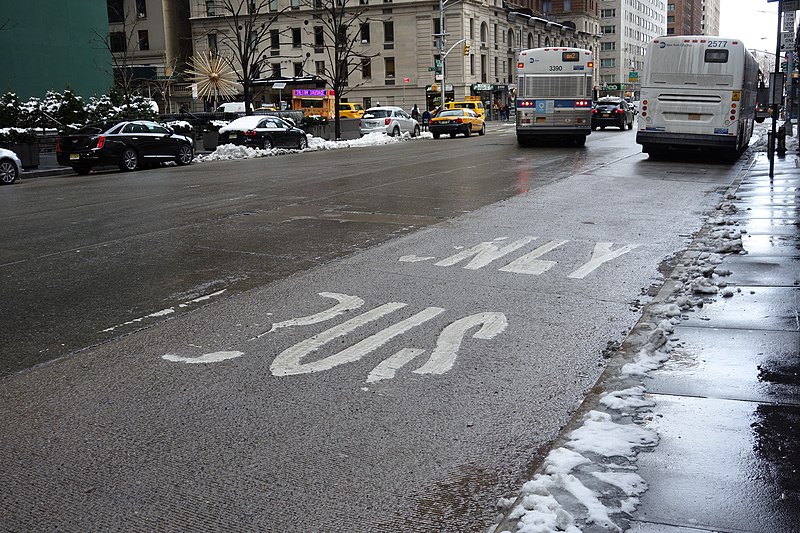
[711, 17]
[400, 34]
[54, 46]
[684, 17]
[626, 28]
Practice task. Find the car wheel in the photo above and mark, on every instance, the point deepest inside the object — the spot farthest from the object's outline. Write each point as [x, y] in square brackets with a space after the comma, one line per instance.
[129, 160]
[483, 130]
[185, 155]
[82, 169]
[435, 135]
[452, 135]
[267, 144]
[8, 172]
[395, 132]
[468, 131]
[416, 131]
[303, 143]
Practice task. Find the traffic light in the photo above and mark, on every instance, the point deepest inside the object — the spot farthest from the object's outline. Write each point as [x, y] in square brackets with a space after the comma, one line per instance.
[466, 48]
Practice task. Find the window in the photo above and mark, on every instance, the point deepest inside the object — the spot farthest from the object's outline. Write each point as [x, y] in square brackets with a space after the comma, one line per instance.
[472, 64]
[144, 41]
[608, 62]
[388, 31]
[670, 7]
[141, 9]
[276, 70]
[319, 36]
[606, 47]
[363, 2]
[471, 28]
[608, 13]
[670, 31]
[364, 33]
[274, 39]
[388, 64]
[210, 8]
[670, 18]
[116, 11]
[716, 55]
[567, 6]
[212, 42]
[608, 29]
[319, 66]
[298, 68]
[117, 42]
[273, 5]
[295, 4]
[366, 68]
[296, 38]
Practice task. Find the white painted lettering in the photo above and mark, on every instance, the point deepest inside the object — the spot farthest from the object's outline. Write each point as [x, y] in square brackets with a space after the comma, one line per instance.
[387, 369]
[530, 262]
[444, 355]
[205, 358]
[484, 253]
[346, 303]
[602, 253]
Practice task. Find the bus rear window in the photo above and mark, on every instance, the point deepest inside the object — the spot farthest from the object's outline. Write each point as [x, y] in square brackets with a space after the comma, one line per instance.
[570, 56]
[714, 55]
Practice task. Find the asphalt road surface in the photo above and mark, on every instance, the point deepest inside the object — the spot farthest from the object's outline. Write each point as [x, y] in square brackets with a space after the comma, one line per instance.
[376, 339]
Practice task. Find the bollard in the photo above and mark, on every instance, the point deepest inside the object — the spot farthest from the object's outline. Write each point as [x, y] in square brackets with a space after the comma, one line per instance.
[781, 139]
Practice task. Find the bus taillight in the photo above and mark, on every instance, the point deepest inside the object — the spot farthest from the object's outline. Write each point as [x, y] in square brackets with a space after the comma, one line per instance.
[582, 103]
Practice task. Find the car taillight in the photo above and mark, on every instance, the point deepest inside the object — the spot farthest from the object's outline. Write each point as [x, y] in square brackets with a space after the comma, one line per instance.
[58, 145]
[101, 141]
[250, 133]
[360, 123]
[594, 111]
[459, 121]
[619, 111]
[387, 121]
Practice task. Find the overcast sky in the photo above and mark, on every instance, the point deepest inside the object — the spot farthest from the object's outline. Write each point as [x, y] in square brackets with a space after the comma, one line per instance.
[753, 21]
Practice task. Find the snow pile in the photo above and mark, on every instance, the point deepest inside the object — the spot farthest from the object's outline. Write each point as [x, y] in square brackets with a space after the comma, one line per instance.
[227, 152]
[590, 480]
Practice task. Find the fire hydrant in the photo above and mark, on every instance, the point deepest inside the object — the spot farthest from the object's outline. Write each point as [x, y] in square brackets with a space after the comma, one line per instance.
[781, 140]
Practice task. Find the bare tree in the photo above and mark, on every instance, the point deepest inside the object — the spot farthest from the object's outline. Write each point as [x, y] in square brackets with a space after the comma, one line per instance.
[342, 22]
[248, 24]
[163, 84]
[120, 45]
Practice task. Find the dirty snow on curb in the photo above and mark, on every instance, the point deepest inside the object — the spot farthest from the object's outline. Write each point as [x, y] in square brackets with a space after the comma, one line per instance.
[227, 152]
[589, 480]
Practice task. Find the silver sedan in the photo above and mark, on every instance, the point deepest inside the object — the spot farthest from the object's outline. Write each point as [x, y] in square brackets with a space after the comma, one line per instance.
[390, 120]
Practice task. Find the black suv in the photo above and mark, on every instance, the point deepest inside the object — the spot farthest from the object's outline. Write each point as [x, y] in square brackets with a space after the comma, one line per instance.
[611, 111]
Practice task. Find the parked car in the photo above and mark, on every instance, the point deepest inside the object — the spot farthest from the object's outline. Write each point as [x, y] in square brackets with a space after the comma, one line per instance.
[455, 121]
[130, 145]
[474, 105]
[612, 111]
[390, 120]
[10, 166]
[259, 131]
[350, 110]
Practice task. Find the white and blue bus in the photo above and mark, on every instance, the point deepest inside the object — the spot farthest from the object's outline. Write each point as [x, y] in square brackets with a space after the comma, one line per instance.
[554, 94]
[698, 92]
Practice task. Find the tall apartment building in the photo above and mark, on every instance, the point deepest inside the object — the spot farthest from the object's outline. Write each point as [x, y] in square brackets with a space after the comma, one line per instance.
[402, 32]
[626, 27]
[711, 17]
[684, 17]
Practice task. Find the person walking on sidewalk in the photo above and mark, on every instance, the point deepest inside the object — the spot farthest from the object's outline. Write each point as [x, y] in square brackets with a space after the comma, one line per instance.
[426, 119]
[415, 113]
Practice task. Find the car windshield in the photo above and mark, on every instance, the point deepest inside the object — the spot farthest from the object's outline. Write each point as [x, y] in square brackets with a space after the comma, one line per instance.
[94, 129]
[378, 113]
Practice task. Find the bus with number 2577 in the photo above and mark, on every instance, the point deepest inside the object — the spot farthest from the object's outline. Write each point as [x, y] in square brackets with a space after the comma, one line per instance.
[698, 92]
[554, 94]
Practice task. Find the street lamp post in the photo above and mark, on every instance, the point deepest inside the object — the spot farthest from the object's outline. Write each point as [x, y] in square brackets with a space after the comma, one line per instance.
[773, 90]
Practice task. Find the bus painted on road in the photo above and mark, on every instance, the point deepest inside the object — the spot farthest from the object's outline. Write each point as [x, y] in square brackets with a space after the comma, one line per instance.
[554, 94]
[697, 92]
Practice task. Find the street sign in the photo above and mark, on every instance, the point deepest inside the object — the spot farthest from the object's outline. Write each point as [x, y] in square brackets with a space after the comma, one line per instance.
[787, 40]
[788, 21]
[790, 5]
[633, 76]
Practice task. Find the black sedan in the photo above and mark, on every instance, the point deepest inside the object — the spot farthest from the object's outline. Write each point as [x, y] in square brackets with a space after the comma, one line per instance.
[266, 132]
[128, 144]
[611, 111]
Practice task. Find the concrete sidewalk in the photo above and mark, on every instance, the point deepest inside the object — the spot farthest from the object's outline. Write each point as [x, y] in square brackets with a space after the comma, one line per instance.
[727, 403]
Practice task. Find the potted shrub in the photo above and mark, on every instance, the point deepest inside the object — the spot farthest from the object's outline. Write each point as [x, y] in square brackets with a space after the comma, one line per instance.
[22, 142]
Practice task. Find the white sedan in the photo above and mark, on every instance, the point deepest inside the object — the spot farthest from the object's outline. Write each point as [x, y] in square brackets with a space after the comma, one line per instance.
[10, 166]
[390, 120]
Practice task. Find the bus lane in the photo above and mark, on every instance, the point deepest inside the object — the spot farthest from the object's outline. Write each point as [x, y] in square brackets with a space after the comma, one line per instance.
[404, 388]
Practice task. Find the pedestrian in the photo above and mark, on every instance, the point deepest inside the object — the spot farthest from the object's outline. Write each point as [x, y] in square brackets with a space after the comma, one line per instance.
[415, 113]
[426, 119]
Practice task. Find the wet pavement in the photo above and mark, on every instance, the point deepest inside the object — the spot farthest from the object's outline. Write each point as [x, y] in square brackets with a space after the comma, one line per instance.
[727, 404]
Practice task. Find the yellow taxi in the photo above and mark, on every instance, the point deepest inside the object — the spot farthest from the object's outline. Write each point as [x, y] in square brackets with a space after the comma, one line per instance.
[455, 121]
[474, 104]
[350, 110]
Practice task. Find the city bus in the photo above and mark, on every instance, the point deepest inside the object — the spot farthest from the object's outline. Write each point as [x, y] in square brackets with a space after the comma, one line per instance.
[698, 92]
[554, 94]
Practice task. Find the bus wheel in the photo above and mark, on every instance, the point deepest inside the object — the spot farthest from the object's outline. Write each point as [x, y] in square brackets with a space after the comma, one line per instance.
[580, 140]
[523, 141]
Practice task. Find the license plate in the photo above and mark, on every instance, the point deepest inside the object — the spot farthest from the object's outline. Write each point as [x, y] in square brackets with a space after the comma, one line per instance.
[605, 115]
[231, 136]
[694, 116]
[74, 157]
[541, 119]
